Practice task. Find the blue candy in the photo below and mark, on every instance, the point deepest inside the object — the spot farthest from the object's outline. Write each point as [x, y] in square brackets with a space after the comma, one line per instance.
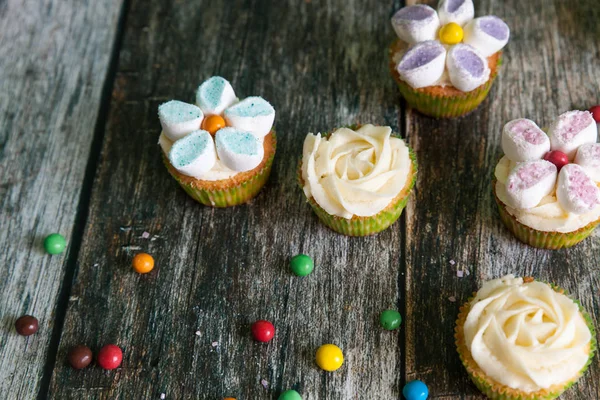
[415, 390]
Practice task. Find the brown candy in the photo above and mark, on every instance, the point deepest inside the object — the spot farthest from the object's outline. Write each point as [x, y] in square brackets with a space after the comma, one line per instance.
[26, 325]
[80, 356]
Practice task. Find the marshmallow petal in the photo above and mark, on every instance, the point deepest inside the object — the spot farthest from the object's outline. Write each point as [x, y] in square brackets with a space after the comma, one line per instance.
[253, 114]
[458, 11]
[423, 64]
[576, 191]
[588, 158]
[178, 118]
[571, 130]
[194, 154]
[215, 95]
[238, 150]
[487, 34]
[414, 24]
[467, 68]
[523, 140]
[529, 182]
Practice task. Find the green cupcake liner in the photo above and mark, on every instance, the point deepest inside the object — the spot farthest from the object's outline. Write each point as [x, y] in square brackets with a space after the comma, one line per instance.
[493, 391]
[542, 239]
[231, 196]
[363, 226]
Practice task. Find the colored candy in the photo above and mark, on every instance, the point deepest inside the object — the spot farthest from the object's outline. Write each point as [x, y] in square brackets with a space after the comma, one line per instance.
[415, 390]
[229, 398]
[143, 263]
[557, 158]
[329, 357]
[290, 395]
[451, 33]
[596, 113]
[80, 357]
[302, 265]
[109, 357]
[390, 319]
[263, 331]
[26, 325]
[55, 243]
[213, 123]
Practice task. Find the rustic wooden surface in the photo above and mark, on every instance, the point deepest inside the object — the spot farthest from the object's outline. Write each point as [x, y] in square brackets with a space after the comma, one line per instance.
[184, 327]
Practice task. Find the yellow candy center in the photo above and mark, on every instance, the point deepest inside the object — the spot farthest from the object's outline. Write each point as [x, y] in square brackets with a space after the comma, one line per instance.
[451, 33]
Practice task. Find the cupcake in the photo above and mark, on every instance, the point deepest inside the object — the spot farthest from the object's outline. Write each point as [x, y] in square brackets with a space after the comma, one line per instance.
[547, 185]
[220, 150]
[522, 339]
[357, 179]
[446, 61]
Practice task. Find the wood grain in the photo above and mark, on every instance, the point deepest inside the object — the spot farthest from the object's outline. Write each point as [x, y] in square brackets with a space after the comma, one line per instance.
[53, 59]
[548, 69]
[322, 65]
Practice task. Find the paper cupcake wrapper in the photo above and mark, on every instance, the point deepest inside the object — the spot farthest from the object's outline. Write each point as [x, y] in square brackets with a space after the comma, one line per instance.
[230, 196]
[496, 391]
[445, 106]
[363, 226]
[542, 239]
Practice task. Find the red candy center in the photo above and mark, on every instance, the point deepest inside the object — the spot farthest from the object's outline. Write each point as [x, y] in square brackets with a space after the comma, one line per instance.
[557, 158]
[596, 113]
[263, 331]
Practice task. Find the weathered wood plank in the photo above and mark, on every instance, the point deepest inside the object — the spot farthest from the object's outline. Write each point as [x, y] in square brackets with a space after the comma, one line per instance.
[53, 59]
[322, 65]
[549, 68]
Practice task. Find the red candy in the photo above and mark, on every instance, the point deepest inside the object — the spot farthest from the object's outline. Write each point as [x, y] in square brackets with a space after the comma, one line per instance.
[557, 158]
[263, 331]
[596, 113]
[109, 357]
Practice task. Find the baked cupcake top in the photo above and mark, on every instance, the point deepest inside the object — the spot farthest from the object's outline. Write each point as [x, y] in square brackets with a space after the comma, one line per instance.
[526, 335]
[448, 46]
[355, 172]
[218, 137]
[549, 182]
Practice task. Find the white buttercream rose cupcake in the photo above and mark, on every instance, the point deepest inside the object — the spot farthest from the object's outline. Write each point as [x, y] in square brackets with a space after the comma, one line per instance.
[548, 185]
[220, 150]
[522, 339]
[357, 180]
[445, 61]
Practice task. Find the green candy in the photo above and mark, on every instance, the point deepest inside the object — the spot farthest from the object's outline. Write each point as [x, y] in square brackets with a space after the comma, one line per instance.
[290, 395]
[302, 265]
[55, 243]
[390, 319]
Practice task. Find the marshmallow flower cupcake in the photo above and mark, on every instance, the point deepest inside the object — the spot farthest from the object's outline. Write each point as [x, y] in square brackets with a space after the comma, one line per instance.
[357, 179]
[446, 61]
[547, 185]
[520, 339]
[221, 150]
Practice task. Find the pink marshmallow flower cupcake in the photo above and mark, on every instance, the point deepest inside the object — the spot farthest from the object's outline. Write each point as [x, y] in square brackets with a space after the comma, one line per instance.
[547, 185]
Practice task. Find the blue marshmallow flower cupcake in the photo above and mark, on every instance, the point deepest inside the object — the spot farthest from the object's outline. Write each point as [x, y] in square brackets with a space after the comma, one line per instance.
[220, 150]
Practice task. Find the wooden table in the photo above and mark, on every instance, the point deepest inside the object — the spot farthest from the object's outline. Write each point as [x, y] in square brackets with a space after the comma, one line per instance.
[81, 82]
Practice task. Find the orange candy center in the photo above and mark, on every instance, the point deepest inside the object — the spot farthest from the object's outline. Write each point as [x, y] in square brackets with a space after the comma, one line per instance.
[143, 263]
[213, 123]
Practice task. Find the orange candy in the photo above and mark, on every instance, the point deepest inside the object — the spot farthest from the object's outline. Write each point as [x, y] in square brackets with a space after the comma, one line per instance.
[229, 398]
[143, 263]
[213, 123]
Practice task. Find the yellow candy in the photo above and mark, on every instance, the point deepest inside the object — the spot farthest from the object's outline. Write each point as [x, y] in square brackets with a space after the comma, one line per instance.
[329, 357]
[451, 33]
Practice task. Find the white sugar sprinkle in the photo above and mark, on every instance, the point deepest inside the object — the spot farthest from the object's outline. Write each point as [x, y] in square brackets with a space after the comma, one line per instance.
[163, 396]
[460, 273]
[264, 383]
[145, 235]
[198, 333]
[215, 344]
[452, 299]
[452, 262]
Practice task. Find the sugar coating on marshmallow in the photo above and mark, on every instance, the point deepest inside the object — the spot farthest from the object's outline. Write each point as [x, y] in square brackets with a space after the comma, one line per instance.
[253, 114]
[529, 182]
[178, 118]
[423, 64]
[588, 157]
[457, 11]
[487, 34]
[523, 140]
[467, 68]
[576, 191]
[417, 23]
[214, 95]
[194, 154]
[238, 150]
[571, 130]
